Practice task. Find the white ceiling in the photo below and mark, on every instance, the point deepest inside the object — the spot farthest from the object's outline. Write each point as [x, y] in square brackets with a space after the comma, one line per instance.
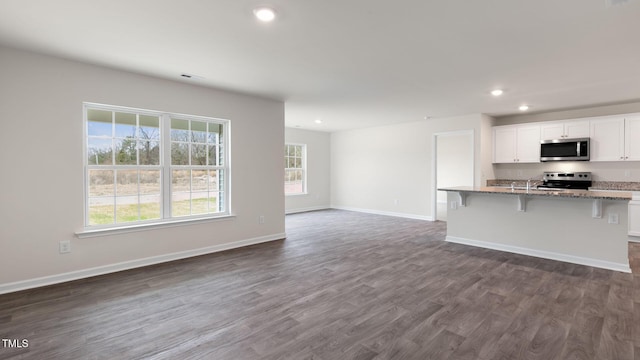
[357, 63]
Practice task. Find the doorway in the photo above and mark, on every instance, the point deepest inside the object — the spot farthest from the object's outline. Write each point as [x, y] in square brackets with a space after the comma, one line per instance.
[453, 166]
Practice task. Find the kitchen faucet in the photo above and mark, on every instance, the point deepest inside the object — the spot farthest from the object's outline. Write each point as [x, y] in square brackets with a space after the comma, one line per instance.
[535, 182]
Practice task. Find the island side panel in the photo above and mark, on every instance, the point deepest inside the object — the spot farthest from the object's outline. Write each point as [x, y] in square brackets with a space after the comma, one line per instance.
[557, 228]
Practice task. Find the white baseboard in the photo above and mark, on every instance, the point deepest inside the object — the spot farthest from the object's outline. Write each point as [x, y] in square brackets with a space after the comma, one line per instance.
[127, 265]
[299, 210]
[543, 254]
[386, 213]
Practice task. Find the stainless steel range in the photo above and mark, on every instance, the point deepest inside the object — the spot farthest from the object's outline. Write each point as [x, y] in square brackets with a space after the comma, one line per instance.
[558, 180]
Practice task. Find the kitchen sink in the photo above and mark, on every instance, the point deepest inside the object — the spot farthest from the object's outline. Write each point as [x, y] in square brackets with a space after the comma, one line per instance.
[509, 187]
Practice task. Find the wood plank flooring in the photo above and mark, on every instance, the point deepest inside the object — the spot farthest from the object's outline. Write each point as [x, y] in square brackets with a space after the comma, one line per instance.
[344, 285]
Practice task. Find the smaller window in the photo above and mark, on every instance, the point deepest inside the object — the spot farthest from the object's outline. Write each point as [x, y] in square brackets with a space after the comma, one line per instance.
[295, 169]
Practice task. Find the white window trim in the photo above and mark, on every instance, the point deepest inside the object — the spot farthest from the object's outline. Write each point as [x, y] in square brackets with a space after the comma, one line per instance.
[165, 165]
[89, 232]
[304, 169]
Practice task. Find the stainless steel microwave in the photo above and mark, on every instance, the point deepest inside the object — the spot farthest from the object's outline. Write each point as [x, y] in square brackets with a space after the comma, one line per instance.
[565, 150]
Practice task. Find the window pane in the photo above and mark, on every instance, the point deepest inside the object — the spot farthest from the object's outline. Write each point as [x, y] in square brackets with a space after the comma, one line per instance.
[101, 211]
[150, 207]
[199, 180]
[221, 203]
[199, 202]
[180, 204]
[180, 193]
[127, 209]
[179, 154]
[215, 130]
[99, 123]
[99, 129]
[126, 153]
[149, 152]
[198, 154]
[298, 163]
[198, 131]
[180, 181]
[220, 179]
[149, 127]
[211, 155]
[99, 151]
[125, 125]
[101, 183]
[179, 130]
[221, 156]
[213, 202]
[150, 182]
[127, 182]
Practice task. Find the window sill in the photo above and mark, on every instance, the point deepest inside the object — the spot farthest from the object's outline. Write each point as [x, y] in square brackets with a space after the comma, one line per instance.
[298, 194]
[88, 232]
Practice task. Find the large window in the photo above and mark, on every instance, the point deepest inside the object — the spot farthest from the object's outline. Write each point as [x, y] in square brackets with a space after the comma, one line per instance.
[294, 169]
[146, 166]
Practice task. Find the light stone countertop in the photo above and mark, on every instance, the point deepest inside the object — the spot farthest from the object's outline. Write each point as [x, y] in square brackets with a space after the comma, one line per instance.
[583, 194]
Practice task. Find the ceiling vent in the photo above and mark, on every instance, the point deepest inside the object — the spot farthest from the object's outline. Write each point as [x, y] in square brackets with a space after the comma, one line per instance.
[611, 3]
[192, 77]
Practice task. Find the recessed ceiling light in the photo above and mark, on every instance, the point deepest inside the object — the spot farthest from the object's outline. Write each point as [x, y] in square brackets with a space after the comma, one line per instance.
[524, 107]
[318, 121]
[264, 14]
[496, 92]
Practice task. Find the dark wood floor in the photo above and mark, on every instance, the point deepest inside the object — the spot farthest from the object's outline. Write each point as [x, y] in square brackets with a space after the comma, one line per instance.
[344, 285]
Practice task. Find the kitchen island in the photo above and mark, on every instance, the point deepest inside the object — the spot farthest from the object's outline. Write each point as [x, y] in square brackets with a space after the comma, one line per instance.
[577, 226]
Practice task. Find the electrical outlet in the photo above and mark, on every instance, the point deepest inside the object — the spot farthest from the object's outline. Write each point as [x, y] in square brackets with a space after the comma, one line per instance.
[261, 219]
[65, 246]
[613, 219]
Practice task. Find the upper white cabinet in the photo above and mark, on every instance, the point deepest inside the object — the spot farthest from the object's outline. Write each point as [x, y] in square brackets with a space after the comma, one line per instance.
[615, 138]
[564, 130]
[516, 143]
[632, 138]
[607, 138]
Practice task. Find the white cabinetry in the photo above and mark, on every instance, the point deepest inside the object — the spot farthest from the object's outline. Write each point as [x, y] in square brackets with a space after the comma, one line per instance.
[615, 138]
[516, 143]
[632, 138]
[564, 130]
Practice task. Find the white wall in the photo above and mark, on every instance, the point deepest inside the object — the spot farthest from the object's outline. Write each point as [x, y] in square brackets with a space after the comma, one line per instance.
[318, 170]
[41, 186]
[388, 169]
[455, 161]
[602, 171]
